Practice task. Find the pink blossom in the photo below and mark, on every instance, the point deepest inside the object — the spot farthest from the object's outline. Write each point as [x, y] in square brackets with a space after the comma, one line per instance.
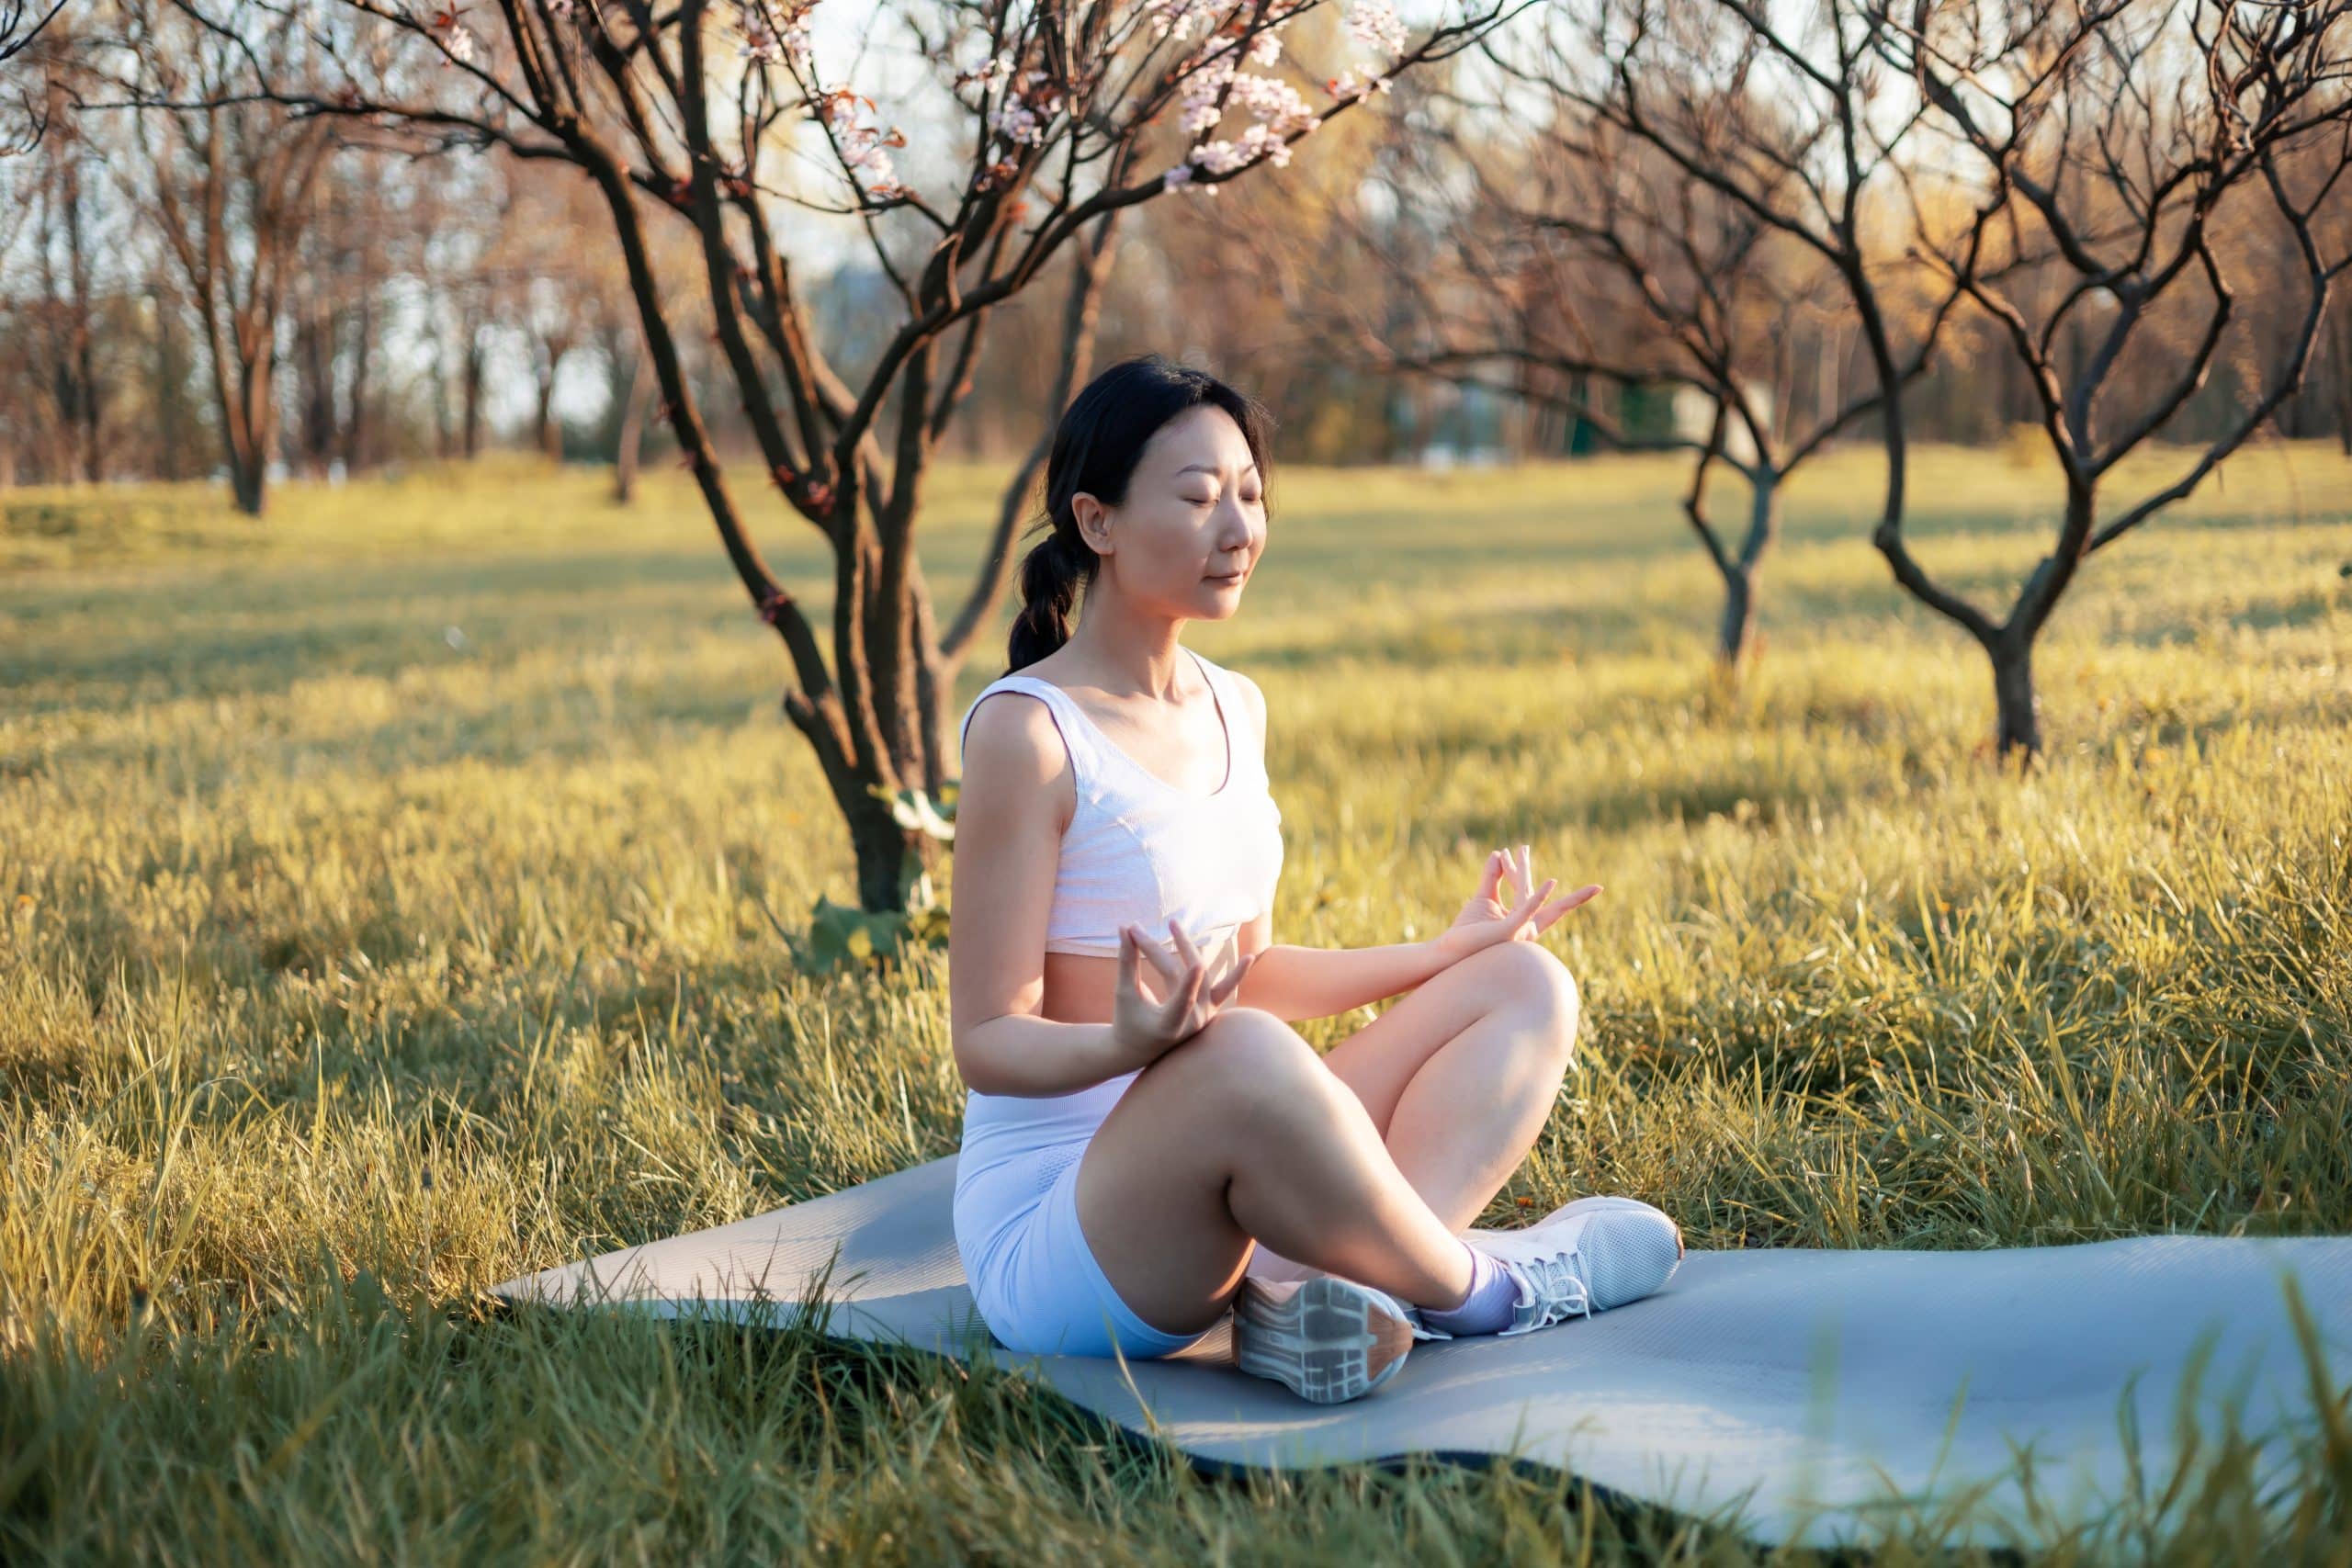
[1375, 28]
[1218, 157]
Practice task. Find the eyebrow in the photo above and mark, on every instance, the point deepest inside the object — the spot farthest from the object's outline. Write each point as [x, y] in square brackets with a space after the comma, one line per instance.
[1211, 468]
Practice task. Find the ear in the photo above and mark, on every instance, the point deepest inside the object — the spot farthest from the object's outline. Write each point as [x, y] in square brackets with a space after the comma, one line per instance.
[1093, 520]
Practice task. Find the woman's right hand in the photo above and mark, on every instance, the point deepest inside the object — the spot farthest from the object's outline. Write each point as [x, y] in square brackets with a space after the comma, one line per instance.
[1145, 1027]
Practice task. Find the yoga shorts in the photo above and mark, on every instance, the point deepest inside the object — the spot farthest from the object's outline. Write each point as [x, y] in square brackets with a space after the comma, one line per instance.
[1033, 1278]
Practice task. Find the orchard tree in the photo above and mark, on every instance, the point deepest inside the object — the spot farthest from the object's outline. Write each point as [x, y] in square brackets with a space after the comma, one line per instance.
[1689, 193]
[2146, 163]
[1026, 126]
[231, 185]
[21, 23]
[1568, 263]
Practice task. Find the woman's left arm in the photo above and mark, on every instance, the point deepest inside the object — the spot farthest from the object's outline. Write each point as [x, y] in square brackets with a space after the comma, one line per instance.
[1317, 981]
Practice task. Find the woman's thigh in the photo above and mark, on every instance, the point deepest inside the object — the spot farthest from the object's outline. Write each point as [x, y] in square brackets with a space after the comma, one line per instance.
[1378, 1060]
[1150, 1191]
[1045, 1294]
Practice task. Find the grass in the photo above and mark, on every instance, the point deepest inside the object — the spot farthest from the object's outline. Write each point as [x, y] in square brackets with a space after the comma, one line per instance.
[386, 893]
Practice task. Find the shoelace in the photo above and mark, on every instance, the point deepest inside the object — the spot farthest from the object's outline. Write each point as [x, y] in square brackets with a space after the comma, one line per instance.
[1560, 1292]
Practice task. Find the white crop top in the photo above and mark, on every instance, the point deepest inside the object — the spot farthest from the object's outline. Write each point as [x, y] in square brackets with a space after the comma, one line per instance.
[1138, 848]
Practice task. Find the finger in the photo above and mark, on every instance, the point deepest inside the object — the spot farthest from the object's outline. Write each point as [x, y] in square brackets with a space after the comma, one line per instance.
[1223, 959]
[1153, 950]
[1535, 899]
[1131, 955]
[1494, 873]
[1552, 912]
[1188, 996]
[1232, 982]
[1182, 941]
[1534, 895]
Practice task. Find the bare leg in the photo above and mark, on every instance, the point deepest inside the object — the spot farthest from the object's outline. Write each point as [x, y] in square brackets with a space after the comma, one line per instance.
[1241, 1132]
[1460, 1075]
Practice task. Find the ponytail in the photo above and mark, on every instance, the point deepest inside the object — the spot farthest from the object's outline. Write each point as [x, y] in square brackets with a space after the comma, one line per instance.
[1050, 576]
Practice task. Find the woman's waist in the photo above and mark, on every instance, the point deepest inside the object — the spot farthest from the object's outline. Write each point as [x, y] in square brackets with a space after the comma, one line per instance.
[998, 1126]
[1095, 939]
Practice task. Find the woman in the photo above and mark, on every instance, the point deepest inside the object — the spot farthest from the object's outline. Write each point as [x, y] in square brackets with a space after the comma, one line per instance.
[1135, 1142]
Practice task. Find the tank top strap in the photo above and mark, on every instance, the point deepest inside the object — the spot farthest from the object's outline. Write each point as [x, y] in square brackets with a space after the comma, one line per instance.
[1077, 738]
[1252, 748]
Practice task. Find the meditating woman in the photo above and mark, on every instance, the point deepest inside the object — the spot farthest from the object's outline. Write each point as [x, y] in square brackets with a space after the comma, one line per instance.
[1147, 1139]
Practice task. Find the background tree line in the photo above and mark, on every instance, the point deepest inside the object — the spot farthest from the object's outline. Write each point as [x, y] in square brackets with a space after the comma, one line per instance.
[815, 249]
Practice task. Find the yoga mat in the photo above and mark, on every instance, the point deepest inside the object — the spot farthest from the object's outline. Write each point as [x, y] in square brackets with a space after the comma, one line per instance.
[1801, 1390]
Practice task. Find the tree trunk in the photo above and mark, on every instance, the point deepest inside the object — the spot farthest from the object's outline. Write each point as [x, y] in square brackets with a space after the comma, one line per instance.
[471, 391]
[1735, 635]
[363, 345]
[2018, 718]
[548, 434]
[632, 432]
[314, 363]
[246, 481]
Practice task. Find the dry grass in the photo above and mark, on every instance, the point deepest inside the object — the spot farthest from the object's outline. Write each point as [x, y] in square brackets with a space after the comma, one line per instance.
[385, 909]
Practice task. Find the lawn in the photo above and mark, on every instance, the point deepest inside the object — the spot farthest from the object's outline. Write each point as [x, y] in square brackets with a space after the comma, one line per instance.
[388, 905]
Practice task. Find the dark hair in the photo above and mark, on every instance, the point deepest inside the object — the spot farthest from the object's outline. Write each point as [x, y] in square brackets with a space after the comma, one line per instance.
[1096, 445]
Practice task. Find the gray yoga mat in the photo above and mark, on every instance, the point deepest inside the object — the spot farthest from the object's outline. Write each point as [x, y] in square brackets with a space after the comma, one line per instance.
[1790, 1392]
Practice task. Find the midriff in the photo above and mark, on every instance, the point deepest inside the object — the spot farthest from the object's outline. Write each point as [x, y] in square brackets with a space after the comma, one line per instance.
[1082, 987]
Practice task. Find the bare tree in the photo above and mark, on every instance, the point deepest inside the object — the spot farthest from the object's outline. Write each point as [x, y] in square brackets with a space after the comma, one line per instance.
[1047, 119]
[232, 182]
[2143, 160]
[1705, 191]
[1580, 261]
[57, 305]
[21, 24]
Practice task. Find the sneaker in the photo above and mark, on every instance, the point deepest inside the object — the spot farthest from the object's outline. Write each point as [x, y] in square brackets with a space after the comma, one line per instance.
[1584, 1257]
[1329, 1340]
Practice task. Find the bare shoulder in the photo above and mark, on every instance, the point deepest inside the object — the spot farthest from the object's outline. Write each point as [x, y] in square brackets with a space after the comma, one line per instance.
[1013, 750]
[1252, 695]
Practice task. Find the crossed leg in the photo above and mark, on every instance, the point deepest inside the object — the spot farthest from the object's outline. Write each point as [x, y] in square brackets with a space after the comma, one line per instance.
[1242, 1136]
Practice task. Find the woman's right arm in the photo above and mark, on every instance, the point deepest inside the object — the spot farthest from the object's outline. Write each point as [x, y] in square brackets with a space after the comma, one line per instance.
[1017, 793]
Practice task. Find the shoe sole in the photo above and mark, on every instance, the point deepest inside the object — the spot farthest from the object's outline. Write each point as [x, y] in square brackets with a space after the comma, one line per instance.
[1328, 1341]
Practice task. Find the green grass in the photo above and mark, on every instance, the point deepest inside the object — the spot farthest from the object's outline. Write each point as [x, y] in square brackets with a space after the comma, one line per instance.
[349, 966]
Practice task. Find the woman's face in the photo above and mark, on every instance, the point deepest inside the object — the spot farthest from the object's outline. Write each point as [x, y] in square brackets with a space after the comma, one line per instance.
[1194, 523]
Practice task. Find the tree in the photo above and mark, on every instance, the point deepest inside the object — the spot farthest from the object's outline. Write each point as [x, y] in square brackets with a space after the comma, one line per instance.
[21, 24]
[232, 182]
[58, 312]
[2142, 162]
[1046, 119]
[1704, 197]
[1569, 263]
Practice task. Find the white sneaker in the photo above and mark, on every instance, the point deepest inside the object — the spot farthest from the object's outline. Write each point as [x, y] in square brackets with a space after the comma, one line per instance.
[1584, 1257]
[1329, 1340]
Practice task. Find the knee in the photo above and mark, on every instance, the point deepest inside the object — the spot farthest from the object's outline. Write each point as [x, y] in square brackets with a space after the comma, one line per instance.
[1254, 1063]
[1530, 977]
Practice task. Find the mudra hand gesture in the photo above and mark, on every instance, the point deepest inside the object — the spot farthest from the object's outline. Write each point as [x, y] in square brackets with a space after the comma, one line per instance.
[1486, 920]
[1194, 988]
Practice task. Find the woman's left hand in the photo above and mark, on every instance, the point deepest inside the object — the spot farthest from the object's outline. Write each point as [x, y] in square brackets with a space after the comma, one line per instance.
[1486, 920]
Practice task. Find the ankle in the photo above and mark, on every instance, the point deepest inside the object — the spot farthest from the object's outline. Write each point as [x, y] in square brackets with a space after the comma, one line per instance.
[1487, 1308]
[1476, 1275]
